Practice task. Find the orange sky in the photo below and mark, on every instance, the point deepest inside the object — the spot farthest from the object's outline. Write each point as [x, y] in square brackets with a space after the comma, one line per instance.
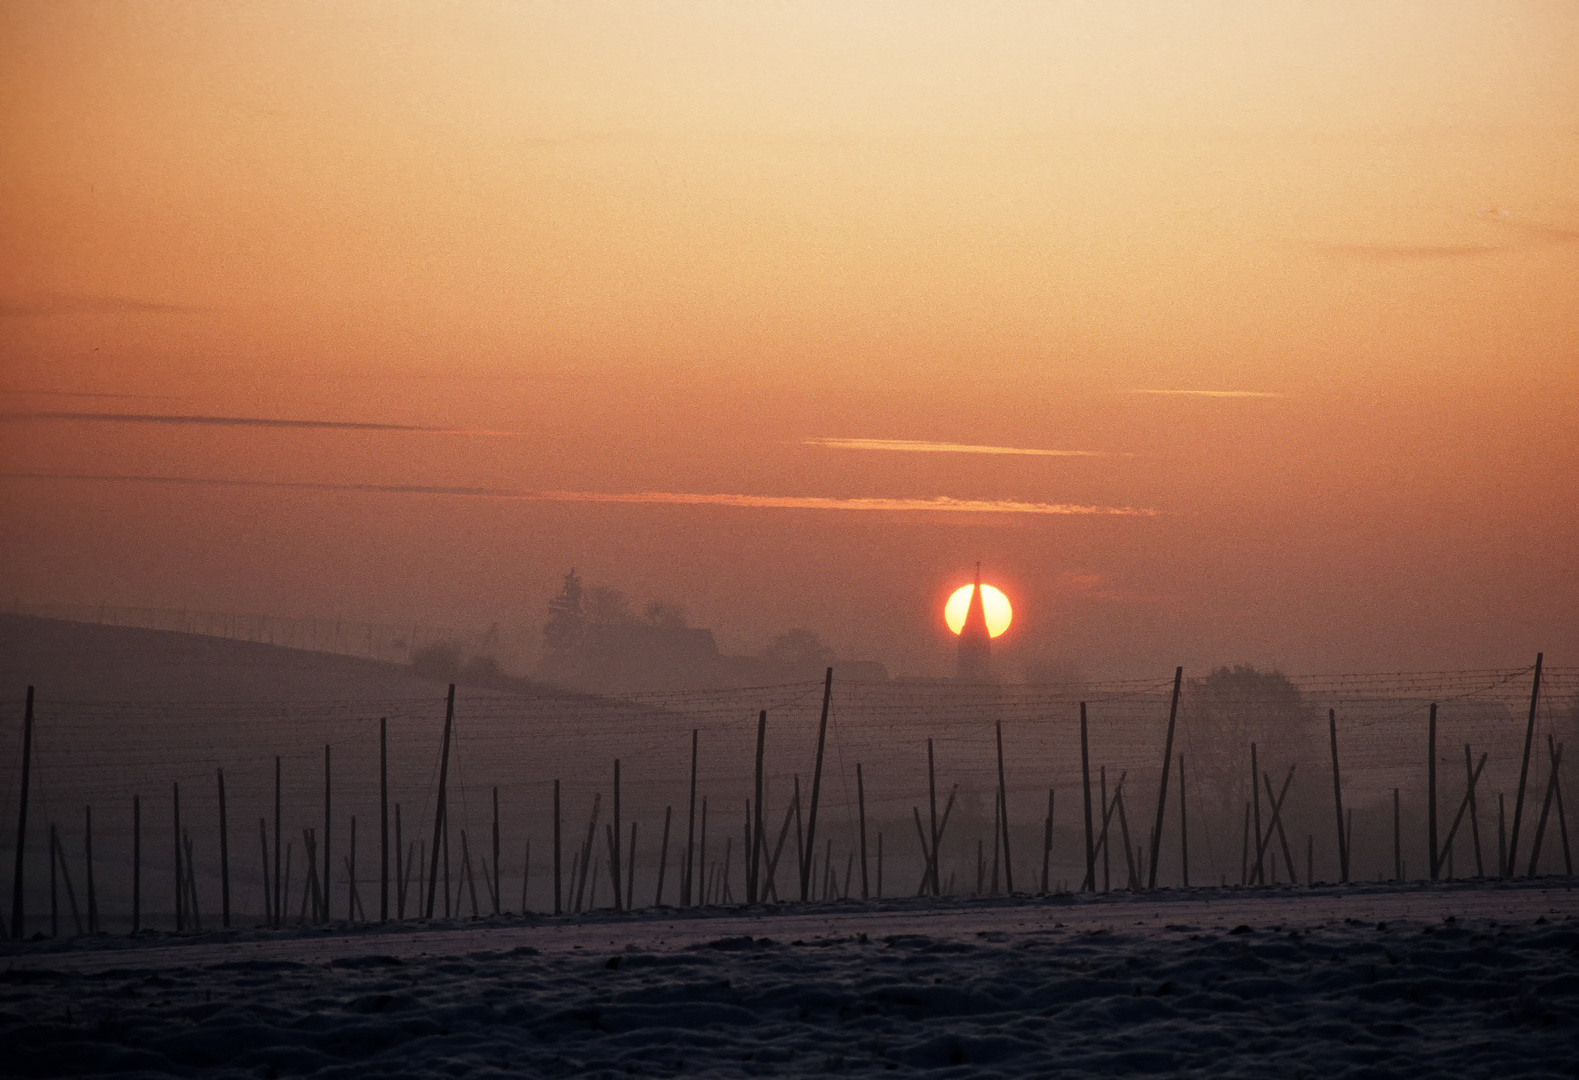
[693, 248]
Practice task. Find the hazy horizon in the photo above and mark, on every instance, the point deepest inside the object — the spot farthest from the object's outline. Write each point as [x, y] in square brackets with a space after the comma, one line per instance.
[1230, 333]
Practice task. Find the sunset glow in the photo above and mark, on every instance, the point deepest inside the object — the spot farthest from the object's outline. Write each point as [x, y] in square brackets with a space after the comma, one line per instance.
[1229, 332]
[995, 606]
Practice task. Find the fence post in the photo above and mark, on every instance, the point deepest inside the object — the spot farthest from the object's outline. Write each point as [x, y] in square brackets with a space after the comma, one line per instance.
[280, 899]
[21, 817]
[688, 873]
[180, 879]
[383, 818]
[816, 790]
[614, 845]
[1433, 862]
[558, 893]
[1003, 816]
[1162, 789]
[439, 825]
[137, 863]
[1337, 798]
[1090, 882]
[1184, 829]
[224, 857]
[1524, 770]
[754, 852]
[860, 798]
[324, 917]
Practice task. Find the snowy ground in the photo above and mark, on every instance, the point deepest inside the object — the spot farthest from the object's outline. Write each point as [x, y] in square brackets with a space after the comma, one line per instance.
[1467, 979]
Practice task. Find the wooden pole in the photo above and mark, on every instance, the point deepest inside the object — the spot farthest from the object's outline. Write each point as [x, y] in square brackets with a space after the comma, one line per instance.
[1398, 847]
[1540, 828]
[1258, 871]
[137, 864]
[932, 801]
[630, 870]
[926, 853]
[558, 892]
[350, 873]
[1277, 819]
[280, 899]
[327, 865]
[268, 893]
[1502, 837]
[1133, 878]
[587, 849]
[1003, 817]
[1275, 806]
[687, 874]
[614, 846]
[663, 857]
[1184, 829]
[997, 835]
[54, 877]
[526, 872]
[496, 886]
[1446, 850]
[180, 877]
[1562, 819]
[879, 864]
[1047, 841]
[439, 829]
[383, 819]
[1310, 859]
[21, 817]
[800, 832]
[87, 851]
[467, 879]
[860, 798]
[1162, 789]
[702, 852]
[224, 855]
[1107, 812]
[1337, 798]
[402, 869]
[1244, 849]
[1524, 769]
[1433, 863]
[791, 812]
[1474, 817]
[816, 791]
[1090, 883]
[754, 825]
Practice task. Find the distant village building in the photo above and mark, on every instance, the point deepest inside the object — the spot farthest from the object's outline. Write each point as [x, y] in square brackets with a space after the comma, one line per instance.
[611, 651]
[975, 643]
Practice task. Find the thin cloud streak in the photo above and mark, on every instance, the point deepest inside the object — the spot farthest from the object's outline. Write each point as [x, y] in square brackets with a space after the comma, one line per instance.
[941, 503]
[1213, 393]
[922, 446]
[64, 304]
[90, 394]
[230, 421]
[1428, 252]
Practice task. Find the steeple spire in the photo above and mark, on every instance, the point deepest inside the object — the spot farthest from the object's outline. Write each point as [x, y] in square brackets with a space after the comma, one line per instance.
[975, 643]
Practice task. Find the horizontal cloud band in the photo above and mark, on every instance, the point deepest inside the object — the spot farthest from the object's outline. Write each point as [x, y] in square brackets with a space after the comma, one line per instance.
[921, 446]
[230, 421]
[1213, 393]
[941, 503]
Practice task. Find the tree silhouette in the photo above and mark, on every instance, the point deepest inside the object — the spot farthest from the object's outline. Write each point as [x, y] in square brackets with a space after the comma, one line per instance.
[566, 621]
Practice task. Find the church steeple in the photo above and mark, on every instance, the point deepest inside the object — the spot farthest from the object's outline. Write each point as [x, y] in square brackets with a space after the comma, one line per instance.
[975, 643]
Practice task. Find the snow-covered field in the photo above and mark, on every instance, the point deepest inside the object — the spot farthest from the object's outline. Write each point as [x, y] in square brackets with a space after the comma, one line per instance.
[1467, 979]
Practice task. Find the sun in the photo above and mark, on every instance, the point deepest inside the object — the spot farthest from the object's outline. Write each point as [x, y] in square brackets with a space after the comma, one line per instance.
[994, 605]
